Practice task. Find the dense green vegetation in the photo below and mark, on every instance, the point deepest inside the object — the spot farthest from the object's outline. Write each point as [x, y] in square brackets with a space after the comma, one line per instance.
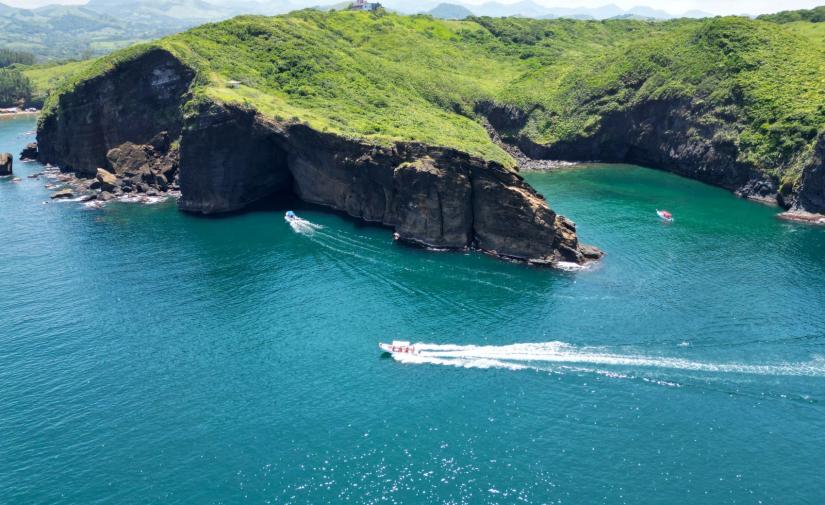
[46, 77]
[384, 77]
[15, 88]
[815, 15]
[9, 57]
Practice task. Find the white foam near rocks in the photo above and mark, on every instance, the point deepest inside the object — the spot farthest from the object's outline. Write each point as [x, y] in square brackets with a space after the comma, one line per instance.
[569, 266]
[140, 198]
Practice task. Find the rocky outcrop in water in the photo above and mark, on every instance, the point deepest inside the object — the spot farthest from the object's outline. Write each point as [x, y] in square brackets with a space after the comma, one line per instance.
[6, 162]
[124, 129]
[29, 152]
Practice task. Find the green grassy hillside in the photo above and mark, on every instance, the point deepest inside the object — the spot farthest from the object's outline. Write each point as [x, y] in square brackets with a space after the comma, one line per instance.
[384, 77]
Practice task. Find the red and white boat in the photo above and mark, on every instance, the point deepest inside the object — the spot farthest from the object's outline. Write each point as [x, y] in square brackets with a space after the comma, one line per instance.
[398, 347]
[665, 215]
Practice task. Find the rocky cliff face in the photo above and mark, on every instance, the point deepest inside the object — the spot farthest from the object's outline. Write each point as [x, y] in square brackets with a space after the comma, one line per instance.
[131, 103]
[434, 197]
[670, 135]
[812, 190]
[129, 123]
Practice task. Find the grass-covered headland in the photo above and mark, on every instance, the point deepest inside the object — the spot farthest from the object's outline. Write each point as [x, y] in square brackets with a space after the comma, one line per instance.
[383, 77]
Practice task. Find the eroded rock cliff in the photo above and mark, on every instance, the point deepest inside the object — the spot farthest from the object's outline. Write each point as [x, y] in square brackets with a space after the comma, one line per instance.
[676, 136]
[435, 197]
[663, 134]
[128, 129]
[812, 189]
[131, 103]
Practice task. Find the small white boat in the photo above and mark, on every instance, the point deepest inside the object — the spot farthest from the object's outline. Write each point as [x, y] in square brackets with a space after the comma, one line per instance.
[665, 215]
[290, 216]
[398, 347]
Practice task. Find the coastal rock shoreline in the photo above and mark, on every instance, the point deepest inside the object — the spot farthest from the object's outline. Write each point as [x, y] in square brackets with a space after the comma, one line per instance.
[432, 197]
[667, 135]
[129, 123]
[69, 187]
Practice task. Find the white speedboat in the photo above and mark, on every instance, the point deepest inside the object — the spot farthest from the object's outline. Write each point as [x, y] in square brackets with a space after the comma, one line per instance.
[290, 216]
[398, 347]
[665, 215]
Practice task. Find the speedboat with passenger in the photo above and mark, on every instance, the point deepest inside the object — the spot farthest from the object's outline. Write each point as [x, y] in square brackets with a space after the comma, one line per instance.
[398, 347]
[665, 215]
[290, 216]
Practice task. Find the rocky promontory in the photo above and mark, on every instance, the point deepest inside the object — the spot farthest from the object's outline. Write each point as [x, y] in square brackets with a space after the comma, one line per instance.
[127, 129]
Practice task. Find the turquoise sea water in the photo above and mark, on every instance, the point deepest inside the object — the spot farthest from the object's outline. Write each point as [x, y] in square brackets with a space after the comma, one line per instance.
[147, 356]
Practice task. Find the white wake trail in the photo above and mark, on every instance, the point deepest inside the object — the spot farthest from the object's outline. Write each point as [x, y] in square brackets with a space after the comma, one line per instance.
[542, 356]
[304, 227]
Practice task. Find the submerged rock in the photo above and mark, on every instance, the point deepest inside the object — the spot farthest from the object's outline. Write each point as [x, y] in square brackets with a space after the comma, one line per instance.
[6, 162]
[803, 217]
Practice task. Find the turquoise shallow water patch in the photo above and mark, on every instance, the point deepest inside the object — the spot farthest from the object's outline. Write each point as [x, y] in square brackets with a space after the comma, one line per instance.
[151, 356]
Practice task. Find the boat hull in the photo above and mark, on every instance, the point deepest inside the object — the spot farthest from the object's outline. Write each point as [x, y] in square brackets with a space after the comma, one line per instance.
[396, 349]
[664, 217]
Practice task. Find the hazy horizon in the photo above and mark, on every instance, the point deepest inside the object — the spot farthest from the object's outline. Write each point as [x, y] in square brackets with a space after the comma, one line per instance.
[671, 6]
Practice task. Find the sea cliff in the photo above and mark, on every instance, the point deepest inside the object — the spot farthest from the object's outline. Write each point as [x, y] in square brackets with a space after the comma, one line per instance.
[138, 126]
[422, 124]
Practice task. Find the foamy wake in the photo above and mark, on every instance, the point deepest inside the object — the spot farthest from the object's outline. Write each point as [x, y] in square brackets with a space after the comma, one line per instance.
[303, 226]
[560, 356]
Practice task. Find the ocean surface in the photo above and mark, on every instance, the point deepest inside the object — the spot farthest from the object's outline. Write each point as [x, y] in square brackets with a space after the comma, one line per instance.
[148, 356]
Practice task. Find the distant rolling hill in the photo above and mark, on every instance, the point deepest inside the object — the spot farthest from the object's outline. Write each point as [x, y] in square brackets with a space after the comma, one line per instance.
[101, 26]
[450, 11]
[70, 31]
[54, 32]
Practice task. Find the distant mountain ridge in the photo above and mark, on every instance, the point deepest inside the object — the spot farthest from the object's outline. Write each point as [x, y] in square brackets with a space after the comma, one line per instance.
[450, 11]
[101, 26]
[531, 9]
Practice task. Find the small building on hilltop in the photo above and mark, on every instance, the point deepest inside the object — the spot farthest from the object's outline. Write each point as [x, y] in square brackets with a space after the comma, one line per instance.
[363, 5]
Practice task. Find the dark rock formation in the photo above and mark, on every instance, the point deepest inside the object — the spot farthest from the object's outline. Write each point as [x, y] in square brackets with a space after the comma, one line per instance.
[29, 152]
[503, 117]
[131, 103]
[445, 215]
[812, 191]
[154, 164]
[229, 160]
[670, 135]
[661, 134]
[6, 162]
[122, 128]
[436, 197]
